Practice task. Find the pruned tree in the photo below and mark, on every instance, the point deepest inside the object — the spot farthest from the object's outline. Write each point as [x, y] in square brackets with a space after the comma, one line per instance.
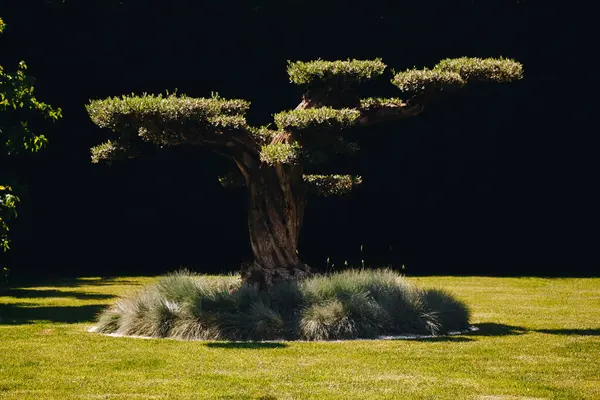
[273, 162]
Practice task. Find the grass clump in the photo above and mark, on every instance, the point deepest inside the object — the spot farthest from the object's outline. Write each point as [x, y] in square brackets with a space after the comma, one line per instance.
[346, 305]
[453, 315]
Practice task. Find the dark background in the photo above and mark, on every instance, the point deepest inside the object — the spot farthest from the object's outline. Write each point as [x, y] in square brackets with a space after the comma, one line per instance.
[454, 191]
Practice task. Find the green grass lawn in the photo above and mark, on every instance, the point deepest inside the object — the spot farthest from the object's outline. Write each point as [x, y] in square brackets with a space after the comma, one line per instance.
[538, 339]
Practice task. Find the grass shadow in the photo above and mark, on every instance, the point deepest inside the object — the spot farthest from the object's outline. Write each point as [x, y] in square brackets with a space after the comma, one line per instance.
[45, 293]
[484, 329]
[456, 339]
[21, 314]
[76, 282]
[580, 332]
[246, 345]
[494, 329]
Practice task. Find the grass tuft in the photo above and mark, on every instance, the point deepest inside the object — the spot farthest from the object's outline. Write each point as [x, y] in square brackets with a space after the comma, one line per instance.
[452, 314]
[326, 321]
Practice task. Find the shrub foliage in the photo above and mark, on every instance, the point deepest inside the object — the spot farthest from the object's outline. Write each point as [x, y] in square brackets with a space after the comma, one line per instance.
[317, 118]
[165, 121]
[416, 81]
[281, 153]
[332, 185]
[110, 150]
[473, 69]
[347, 305]
[303, 73]
[115, 112]
[371, 103]
[171, 119]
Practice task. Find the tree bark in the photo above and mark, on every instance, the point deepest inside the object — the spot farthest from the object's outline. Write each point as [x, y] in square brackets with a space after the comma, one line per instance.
[277, 199]
[277, 195]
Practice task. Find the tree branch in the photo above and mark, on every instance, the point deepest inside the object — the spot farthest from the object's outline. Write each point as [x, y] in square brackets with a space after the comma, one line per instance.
[173, 120]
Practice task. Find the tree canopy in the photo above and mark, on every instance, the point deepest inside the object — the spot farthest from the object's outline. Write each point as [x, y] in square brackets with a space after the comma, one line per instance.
[305, 135]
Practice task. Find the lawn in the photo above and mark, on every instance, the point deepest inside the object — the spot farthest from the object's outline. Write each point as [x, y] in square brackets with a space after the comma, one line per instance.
[538, 339]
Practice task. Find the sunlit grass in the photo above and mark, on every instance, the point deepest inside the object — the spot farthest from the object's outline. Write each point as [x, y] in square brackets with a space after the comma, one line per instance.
[539, 339]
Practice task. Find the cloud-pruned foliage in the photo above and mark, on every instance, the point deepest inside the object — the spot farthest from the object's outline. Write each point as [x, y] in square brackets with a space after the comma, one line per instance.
[117, 113]
[473, 69]
[416, 81]
[317, 118]
[332, 185]
[304, 73]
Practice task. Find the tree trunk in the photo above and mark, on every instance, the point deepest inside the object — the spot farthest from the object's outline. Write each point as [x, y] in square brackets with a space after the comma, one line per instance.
[277, 201]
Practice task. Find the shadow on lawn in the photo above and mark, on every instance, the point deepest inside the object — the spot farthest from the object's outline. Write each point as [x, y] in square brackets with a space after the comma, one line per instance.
[454, 339]
[494, 329]
[246, 345]
[78, 282]
[32, 293]
[23, 313]
[485, 329]
[580, 332]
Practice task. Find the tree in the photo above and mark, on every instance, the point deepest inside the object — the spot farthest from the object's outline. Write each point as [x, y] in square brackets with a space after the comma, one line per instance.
[273, 162]
[18, 108]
